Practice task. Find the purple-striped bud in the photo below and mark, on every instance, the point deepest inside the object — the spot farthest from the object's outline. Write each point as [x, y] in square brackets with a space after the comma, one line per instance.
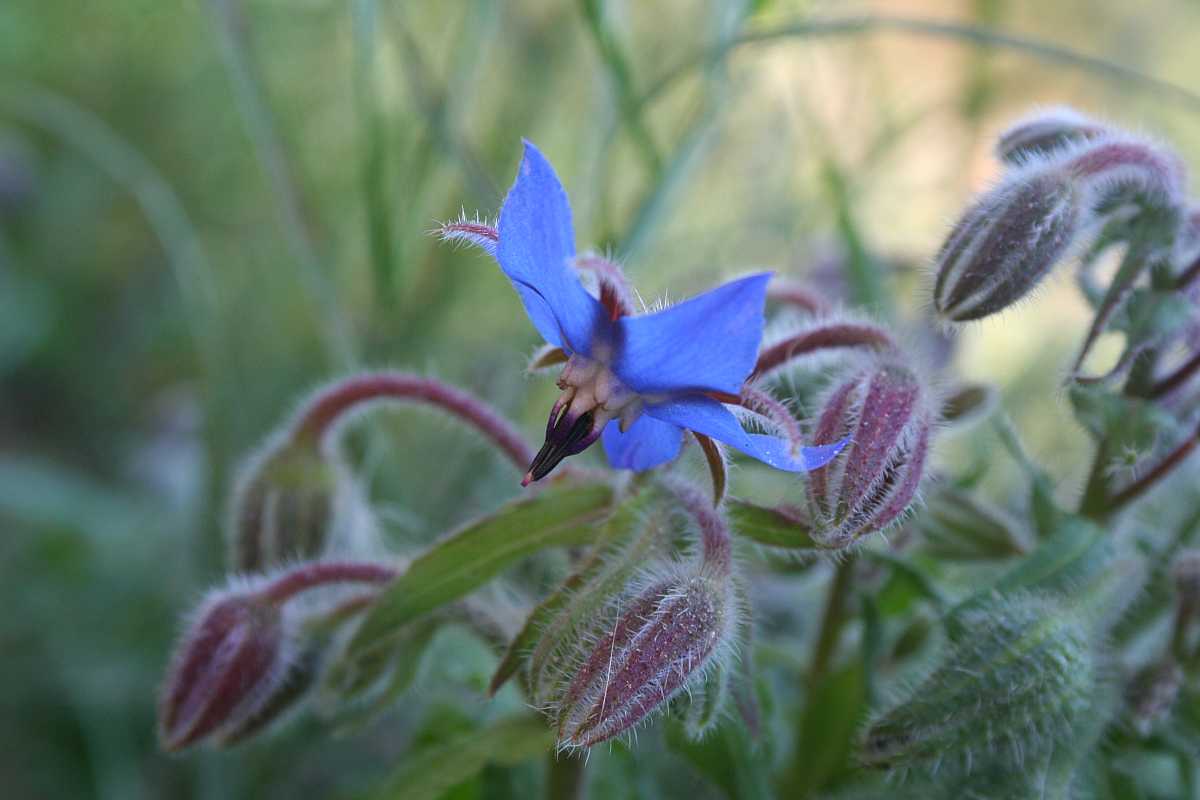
[888, 412]
[229, 662]
[663, 640]
[1043, 132]
[283, 505]
[1008, 241]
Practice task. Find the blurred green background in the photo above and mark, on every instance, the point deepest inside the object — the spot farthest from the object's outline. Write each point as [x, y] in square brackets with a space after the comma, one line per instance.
[208, 208]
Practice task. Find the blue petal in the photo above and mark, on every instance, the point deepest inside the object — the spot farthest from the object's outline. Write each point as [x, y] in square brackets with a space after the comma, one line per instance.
[708, 343]
[536, 246]
[648, 443]
[709, 417]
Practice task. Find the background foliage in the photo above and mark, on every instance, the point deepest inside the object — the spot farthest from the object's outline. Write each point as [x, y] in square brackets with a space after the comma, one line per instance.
[207, 208]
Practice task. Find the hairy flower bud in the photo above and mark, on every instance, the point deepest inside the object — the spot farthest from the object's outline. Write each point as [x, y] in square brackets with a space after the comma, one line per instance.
[1007, 242]
[887, 412]
[283, 505]
[1020, 679]
[1043, 132]
[664, 638]
[229, 662]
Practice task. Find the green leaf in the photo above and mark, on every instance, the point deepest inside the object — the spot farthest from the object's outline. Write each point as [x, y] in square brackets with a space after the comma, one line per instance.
[769, 526]
[428, 773]
[467, 559]
[828, 731]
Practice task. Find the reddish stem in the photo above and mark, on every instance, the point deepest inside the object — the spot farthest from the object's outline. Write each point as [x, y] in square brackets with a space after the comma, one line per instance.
[795, 294]
[322, 573]
[322, 413]
[615, 294]
[1164, 467]
[775, 411]
[715, 541]
[1176, 379]
[1189, 275]
[821, 338]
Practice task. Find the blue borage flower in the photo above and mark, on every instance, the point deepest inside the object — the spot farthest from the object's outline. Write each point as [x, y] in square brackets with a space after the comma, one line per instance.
[637, 382]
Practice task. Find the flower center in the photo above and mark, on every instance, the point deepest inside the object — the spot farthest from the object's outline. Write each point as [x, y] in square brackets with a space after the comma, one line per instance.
[592, 396]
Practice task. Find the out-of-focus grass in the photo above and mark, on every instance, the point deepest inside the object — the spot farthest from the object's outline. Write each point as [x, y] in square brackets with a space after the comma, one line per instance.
[207, 208]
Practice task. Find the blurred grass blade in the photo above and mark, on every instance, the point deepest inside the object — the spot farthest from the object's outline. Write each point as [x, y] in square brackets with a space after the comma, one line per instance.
[952, 31]
[373, 167]
[427, 774]
[470, 557]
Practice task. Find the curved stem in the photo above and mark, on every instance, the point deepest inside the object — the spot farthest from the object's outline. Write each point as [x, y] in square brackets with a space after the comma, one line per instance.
[716, 542]
[1178, 378]
[322, 573]
[777, 413]
[825, 337]
[1160, 471]
[796, 294]
[329, 406]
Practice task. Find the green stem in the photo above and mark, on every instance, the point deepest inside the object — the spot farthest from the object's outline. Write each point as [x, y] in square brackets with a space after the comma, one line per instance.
[832, 623]
[564, 778]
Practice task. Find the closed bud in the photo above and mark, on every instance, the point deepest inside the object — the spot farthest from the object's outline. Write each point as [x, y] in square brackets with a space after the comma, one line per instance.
[229, 663]
[1008, 241]
[283, 506]
[1043, 132]
[1020, 679]
[887, 412]
[664, 639]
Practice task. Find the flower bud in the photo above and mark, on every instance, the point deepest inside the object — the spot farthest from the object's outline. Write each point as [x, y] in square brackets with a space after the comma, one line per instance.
[231, 660]
[283, 505]
[663, 639]
[1007, 242]
[1020, 679]
[1043, 132]
[888, 413]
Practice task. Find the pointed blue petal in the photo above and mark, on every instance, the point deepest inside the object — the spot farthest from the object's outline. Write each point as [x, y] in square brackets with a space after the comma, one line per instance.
[707, 343]
[709, 417]
[536, 246]
[648, 443]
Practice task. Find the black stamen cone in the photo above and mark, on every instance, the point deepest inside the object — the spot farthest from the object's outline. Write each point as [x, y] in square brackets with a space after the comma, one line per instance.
[561, 441]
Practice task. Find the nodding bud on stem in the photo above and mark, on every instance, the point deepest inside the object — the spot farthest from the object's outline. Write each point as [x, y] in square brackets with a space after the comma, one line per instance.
[664, 638]
[888, 412]
[239, 663]
[283, 505]
[1019, 680]
[229, 662]
[1012, 236]
[1043, 132]
[1007, 242]
[654, 642]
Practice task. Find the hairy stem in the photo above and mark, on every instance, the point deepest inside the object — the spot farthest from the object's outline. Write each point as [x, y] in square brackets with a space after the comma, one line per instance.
[323, 573]
[825, 337]
[322, 413]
